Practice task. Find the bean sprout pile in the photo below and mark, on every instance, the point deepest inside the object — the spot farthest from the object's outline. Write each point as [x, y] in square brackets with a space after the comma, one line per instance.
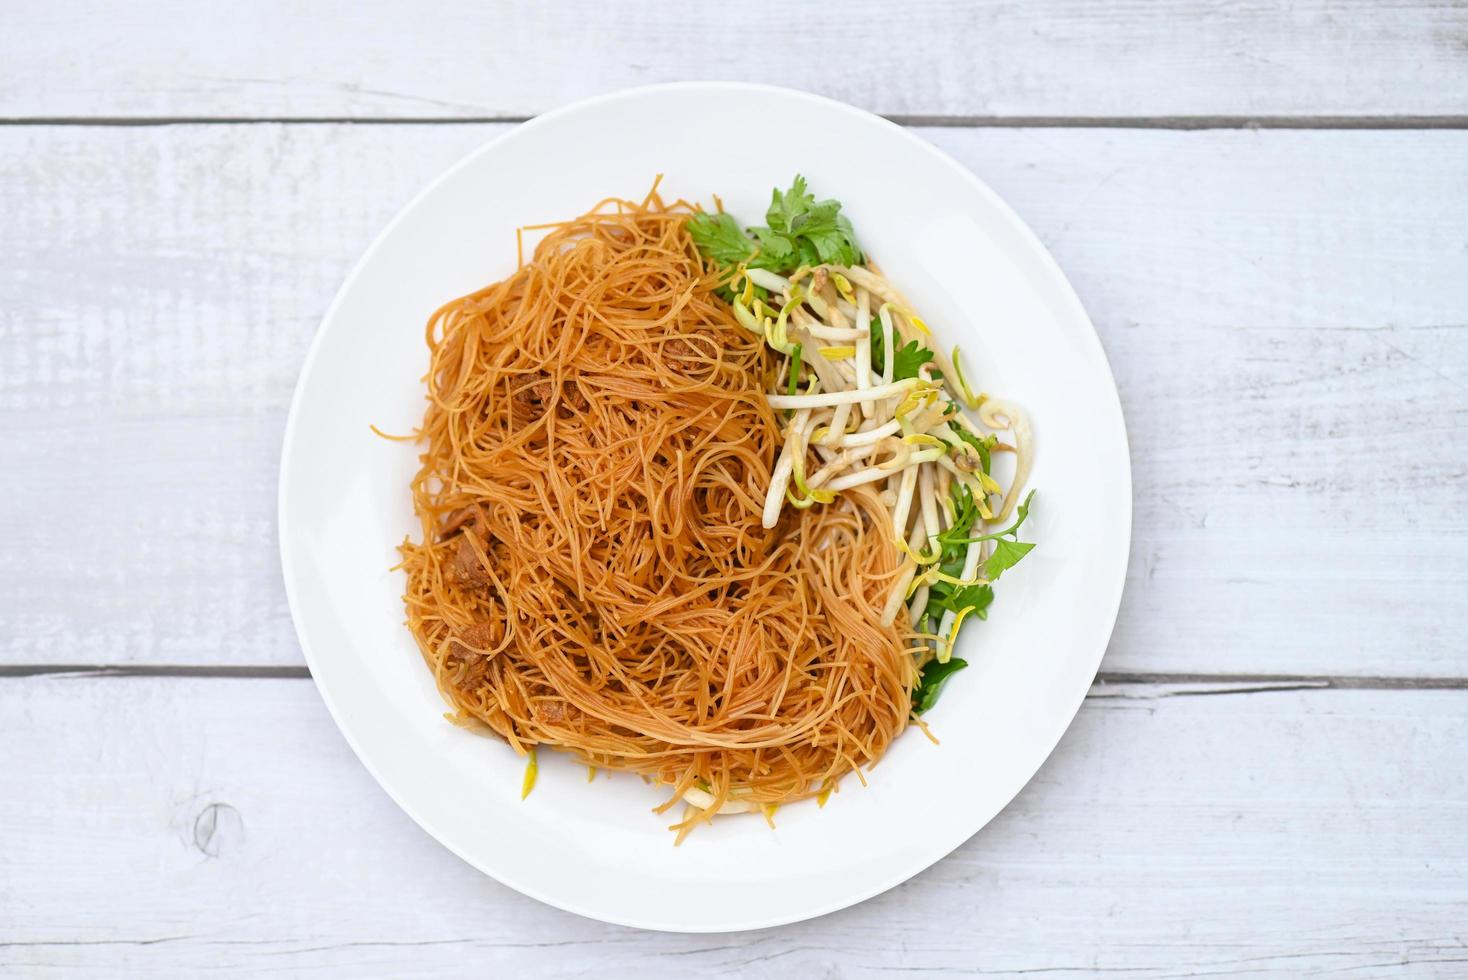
[865, 397]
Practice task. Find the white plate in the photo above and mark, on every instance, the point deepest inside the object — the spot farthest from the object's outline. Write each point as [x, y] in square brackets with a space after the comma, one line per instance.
[976, 273]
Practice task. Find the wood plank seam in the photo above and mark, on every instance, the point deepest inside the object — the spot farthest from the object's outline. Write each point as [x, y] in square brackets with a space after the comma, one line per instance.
[1242, 683]
[1187, 123]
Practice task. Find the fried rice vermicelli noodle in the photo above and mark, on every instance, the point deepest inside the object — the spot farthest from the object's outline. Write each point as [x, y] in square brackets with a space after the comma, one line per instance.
[593, 575]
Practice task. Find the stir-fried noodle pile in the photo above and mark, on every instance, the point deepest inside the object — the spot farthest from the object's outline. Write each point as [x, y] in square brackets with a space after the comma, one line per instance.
[593, 573]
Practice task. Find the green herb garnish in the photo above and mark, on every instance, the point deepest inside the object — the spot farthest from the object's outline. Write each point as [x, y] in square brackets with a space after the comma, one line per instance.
[794, 379]
[909, 359]
[800, 231]
[931, 681]
[1008, 548]
[943, 597]
[1006, 555]
[981, 445]
[804, 231]
[718, 237]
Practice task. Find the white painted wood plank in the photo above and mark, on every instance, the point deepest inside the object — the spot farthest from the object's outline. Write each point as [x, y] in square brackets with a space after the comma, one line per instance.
[1286, 313]
[468, 58]
[169, 826]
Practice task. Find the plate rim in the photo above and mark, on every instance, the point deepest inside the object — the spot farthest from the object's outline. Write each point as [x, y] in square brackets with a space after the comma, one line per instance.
[1067, 297]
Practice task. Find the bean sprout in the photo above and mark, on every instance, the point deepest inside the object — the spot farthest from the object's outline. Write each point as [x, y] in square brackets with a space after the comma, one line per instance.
[898, 420]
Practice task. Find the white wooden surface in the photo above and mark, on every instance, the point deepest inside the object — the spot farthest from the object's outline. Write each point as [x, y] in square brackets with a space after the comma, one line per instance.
[1273, 777]
[923, 58]
[1275, 304]
[223, 822]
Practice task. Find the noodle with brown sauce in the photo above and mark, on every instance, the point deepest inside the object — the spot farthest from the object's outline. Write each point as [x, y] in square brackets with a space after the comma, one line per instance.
[593, 574]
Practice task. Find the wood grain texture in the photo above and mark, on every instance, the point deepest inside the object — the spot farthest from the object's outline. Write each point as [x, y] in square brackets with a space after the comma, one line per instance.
[937, 58]
[1286, 315]
[165, 826]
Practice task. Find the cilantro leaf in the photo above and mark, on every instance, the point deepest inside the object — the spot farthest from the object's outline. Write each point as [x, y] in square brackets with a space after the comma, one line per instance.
[909, 359]
[787, 207]
[1008, 548]
[931, 681]
[1023, 512]
[982, 445]
[776, 251]
[975, 597]
[1006, 554]
[800, 231]
[965, 513]
[718, 237]
[943, 597]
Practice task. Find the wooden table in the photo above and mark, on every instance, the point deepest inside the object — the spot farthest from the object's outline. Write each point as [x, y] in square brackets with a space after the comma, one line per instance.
[1266, 213]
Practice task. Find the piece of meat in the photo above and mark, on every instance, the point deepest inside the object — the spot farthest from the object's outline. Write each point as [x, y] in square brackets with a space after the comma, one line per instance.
[473, 640]
[465, 570]
[550, 712]
[572, 395]
[529, 400]
[688, 354]
[456, 520]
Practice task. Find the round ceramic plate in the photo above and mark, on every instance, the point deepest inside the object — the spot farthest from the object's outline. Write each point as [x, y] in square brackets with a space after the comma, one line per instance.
[978, 276]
